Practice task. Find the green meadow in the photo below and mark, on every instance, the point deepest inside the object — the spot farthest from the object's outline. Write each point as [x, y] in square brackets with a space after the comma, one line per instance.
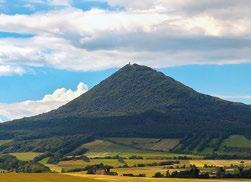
[25, 156]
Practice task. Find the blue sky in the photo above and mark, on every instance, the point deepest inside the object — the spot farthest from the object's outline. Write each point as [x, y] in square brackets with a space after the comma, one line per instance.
[52, 51]
[224, 80]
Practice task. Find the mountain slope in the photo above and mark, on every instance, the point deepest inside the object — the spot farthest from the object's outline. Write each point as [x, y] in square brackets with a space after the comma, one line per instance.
[137, 101]
[133, 89]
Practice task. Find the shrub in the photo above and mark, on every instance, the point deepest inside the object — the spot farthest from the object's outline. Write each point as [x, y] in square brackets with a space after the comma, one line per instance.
[158, 175]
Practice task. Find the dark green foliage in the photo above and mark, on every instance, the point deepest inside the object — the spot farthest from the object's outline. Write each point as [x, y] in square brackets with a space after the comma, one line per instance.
[54, 159]
[136, 101]
[11, 163]
[99, 169]
[158, 175]
[134, 175]
[79, 151]
[74, 157]
[75, 170]
[121, 160]
[241, 173]
[41, 157]
[203, 143]
[220, 172]
[58, 146]
[164, 163]
[244, 173]
[196, 143]
[85, 158]
[135, 157]
[109, 157]
[194, 172]
[220, 156]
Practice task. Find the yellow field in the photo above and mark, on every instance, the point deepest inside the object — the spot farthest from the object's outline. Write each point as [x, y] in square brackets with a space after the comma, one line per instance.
[218, 163]
[47, 177]
[134, 179]
[148, 171]
[25, 156]
[80, 177]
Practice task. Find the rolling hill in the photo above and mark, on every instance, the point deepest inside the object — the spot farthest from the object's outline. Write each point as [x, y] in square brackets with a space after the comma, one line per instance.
[136, 101]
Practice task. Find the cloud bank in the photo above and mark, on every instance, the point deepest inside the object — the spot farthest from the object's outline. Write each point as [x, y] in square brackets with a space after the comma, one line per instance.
[156, 33]
[49, 102]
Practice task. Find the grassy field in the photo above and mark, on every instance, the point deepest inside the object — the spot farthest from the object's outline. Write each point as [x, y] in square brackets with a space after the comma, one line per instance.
[71, 164]
[110, 162]
[132, 162]
[44, 161]
[25, 156]
[233, 145]
[53, 167]
[102, 148]
[2, 142]
[147, 143]
[68, 165]
[237, 141]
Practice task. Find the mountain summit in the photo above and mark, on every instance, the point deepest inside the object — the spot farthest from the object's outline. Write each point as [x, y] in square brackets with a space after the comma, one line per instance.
[137, 101]
[133, 89]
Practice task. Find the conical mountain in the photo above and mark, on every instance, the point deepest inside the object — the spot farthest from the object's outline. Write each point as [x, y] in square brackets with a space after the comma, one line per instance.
[138, 101]
[133, 89]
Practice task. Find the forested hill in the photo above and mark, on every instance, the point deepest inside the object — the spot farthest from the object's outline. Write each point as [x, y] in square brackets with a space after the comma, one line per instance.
[137, 101]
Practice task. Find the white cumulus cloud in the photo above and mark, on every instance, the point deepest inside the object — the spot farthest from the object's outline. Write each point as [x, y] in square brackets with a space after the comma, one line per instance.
[49, 102]
[236, 98]
[9, 70]
[156, 33]
[61, 2]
